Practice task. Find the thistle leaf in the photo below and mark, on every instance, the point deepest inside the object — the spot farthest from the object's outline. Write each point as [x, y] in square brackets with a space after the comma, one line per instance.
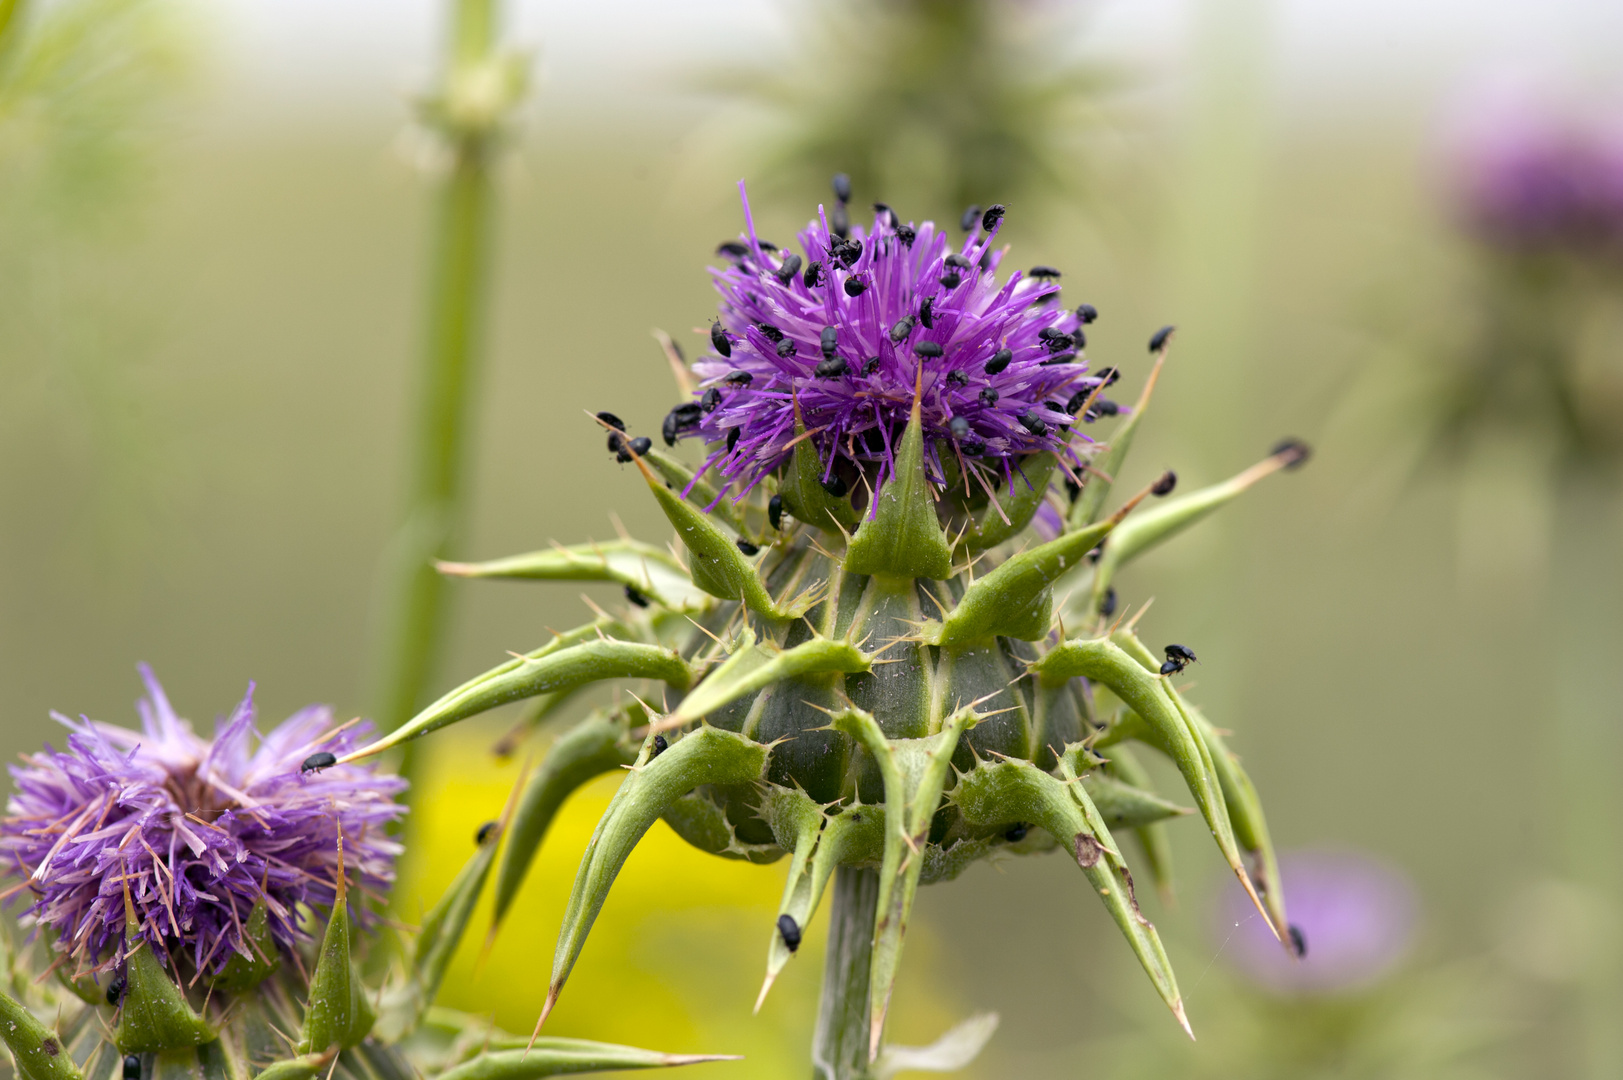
[547, 669]
[701, 494]
[1239, 794]
[706, 756]
[337, 1013]
[648, 569]
[1091, 503]
[1010, 790]
[961, 1044]
[1153, 838]
[1124, 806]
[902, 536]
[797, 824]
[154, 1014]
[915, 772]
[716, 564]
[35, 1048]
[1016, 600]
[595, 746]
[1147, 694]
[561, 1057]
[1164, 521]
[1020, 505]
[756, 665]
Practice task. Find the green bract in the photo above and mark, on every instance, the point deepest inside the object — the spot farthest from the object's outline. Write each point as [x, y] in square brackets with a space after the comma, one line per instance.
[883, 696]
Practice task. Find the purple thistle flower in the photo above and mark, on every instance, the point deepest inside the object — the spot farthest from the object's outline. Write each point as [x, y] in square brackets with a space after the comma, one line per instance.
[1356, 917]
[199, 831]
[1527, 178]
[835, 341]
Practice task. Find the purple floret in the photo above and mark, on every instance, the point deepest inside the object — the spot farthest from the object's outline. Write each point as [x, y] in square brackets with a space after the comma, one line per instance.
[198, 830]
[854, 401]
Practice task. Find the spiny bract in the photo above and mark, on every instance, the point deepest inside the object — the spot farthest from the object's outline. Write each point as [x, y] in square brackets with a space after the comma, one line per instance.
[863, 666]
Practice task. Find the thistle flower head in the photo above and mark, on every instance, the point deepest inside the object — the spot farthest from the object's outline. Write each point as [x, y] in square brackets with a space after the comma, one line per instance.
[834, 343]
[197, 831]
[1527, 178]
[1353, 915]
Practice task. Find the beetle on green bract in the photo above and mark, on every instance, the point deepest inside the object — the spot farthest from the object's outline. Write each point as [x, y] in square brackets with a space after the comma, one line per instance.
[887, 692]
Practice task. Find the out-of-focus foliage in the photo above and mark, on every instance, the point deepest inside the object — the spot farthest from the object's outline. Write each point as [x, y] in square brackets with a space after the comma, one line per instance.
[86, 89]
[83, 83]
[932, 104]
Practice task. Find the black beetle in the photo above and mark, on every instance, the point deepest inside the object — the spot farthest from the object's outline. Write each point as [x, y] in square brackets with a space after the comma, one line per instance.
[1043, 272]
[789, 930]
[1033, 423]
[1294, 451]
[929, 349]
[1016, 832]
[813, 276]
[829, 340]
[321, 759]
[959, 427]
[967, 220]
[711, 401]
[115, 988]
[636, 597]
[774, 511]
[842, 187]
[746, 547]
[951, 279]
[999, 361]
[787, 348]
[854, 287]
[732, 248]
[993, 215]
[1298, 940]
[770, 332]
[612, 420]
[132, 1067]
[902, 328]
[1178, 658]
[739, 378]
[988, 397]
[831, 368]
[660, 746]
[1162, 336]
[1164, 485]
[484, 833]
[1107, 603]
[791, 266]
[719, 339]
[1087, 313]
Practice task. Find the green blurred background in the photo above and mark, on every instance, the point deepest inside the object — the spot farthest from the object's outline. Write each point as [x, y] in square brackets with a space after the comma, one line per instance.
[204, 378]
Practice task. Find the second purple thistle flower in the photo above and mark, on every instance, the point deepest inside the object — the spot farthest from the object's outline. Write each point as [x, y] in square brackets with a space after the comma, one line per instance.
[832, 344]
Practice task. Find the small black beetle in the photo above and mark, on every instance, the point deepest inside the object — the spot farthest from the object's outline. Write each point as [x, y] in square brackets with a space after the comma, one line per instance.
[789, 930]
[318, 761]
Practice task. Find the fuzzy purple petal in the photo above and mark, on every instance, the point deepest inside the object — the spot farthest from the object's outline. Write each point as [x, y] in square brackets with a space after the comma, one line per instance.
[199, 831]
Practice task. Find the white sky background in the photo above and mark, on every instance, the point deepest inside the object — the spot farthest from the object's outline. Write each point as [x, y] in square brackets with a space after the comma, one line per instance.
[345, 58]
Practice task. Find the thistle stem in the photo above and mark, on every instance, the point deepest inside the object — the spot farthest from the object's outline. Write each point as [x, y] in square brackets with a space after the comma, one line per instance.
[413, 624]
[840, 1044]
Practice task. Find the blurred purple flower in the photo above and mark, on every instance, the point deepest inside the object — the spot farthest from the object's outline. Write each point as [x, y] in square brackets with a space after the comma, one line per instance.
[1356, 916]
[199, 830]
[836, 339]
[1527, 178]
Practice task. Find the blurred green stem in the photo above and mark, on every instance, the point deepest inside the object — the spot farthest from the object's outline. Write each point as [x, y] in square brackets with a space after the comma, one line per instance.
[1588, 636]
[840, 1043]
[413, 627]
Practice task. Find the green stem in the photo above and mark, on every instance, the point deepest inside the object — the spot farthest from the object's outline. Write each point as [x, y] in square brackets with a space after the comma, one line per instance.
[840, 1044]
[414, 617]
